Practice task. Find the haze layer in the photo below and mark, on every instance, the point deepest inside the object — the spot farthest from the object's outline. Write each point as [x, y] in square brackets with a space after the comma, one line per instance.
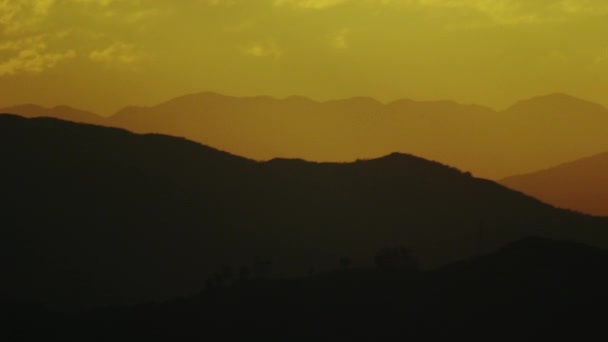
[101, 55]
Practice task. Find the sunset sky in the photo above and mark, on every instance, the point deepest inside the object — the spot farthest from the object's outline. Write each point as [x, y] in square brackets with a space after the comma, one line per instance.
[101, 55]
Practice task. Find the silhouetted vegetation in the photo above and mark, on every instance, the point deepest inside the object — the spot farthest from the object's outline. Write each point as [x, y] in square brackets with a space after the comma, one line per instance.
[398, 258]
[533, 289]
[99, 216]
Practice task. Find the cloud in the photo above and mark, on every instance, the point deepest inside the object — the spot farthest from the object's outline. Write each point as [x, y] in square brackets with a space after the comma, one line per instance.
[260, 50]
[33, 60]
[36, 41]
[518, 11]
[18, 15]
[103, 3]
[309, 4]
[502, 12]
[220, 2]
[35, 35]
[32, 53]
[117, 53]
[583, 7]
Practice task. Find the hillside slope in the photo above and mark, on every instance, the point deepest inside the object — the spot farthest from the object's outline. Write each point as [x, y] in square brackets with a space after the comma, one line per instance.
[101, 215]
[580, 185]
[531, 135]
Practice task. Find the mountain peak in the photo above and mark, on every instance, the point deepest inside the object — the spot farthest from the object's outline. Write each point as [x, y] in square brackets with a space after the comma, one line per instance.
[556, 102]
[195, 99]
[63, 107]
[298, 98]
[357, 100]
[437, 106]
[399, 160]
[399, 156]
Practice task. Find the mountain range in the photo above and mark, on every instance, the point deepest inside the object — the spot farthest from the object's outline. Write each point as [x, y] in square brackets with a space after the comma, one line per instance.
[531, 135]
[100, 215]
[579, 185]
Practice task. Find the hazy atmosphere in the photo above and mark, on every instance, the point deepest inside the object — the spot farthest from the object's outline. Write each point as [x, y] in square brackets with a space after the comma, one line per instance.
[101, 55]
[303, 170]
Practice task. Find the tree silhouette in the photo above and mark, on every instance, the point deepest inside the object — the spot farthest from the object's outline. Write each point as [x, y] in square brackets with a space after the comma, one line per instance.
[398, 258]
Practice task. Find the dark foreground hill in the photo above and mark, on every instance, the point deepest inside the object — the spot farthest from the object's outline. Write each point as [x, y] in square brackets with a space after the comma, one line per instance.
[58, 112]
[95, 215]
[579, 185]
[531, 290]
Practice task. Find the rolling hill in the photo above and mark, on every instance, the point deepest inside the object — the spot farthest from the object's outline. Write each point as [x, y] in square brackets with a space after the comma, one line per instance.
[100, 215]
[531, 135]
[580, 185]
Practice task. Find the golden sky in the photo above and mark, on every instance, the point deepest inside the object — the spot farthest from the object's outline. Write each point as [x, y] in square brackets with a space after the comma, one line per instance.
[101, 55]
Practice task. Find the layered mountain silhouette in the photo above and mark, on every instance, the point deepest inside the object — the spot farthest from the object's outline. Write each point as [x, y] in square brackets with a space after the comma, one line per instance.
[101, 215]
[58, 112]
[538, 288]
[529, 136]
[579, 185]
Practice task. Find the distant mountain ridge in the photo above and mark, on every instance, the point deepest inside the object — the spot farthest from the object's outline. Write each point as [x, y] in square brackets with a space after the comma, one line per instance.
[557, 102]
[101, 215]
[579, 185]
[530, 135]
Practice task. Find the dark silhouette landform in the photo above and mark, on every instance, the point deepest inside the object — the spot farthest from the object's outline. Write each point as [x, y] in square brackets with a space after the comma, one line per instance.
[58, 112]
[531, 289]
[579, 185]
[98, 216]
[531, 135]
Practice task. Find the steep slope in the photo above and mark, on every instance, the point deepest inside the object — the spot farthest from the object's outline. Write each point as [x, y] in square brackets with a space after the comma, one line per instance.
[100, 215]
[579, 185]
